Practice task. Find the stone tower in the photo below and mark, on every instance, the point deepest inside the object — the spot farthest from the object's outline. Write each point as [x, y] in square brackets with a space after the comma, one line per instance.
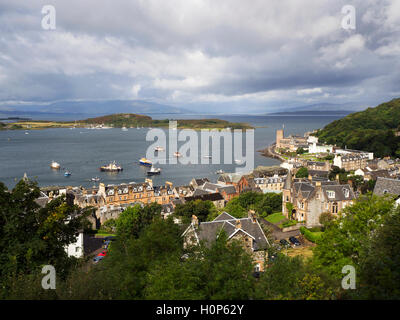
[279, 136]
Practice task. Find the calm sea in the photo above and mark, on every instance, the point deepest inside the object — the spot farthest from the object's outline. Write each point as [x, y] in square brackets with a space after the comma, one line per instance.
[83, 151]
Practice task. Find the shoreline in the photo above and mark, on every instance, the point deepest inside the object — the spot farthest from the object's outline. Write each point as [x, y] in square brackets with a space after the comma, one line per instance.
[269, 153]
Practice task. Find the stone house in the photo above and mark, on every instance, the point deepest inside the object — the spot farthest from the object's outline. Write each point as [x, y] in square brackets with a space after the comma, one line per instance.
[245, 230]
[311, 198]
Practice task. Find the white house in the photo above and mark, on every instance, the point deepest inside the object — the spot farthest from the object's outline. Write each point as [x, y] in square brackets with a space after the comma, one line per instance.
[76, 249]
[319, 148]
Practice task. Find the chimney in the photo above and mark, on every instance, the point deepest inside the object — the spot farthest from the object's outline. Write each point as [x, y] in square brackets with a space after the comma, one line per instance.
[195, 221]
[252, 215]
[310, 177]
[318, 183]
[238, 224]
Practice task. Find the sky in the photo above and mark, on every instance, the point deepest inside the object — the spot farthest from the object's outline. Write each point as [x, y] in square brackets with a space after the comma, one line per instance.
[205, 55]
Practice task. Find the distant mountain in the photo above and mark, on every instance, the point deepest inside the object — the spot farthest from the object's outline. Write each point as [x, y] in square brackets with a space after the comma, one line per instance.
[312, 113]
[321, 108]
[374, 130]
[92, 108]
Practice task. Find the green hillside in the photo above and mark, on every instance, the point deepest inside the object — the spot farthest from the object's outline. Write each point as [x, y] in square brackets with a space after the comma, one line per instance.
[373, 129]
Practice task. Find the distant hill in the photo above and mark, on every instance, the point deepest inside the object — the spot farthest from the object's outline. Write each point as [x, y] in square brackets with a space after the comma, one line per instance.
[373, 129]
[311, 113]
[92, 108]
[133, 120]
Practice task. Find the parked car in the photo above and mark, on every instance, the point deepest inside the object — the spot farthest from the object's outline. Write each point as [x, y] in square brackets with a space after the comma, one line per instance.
[97, 259]
[295, 241]
[103, 253]
[106, 244]
[284, 243]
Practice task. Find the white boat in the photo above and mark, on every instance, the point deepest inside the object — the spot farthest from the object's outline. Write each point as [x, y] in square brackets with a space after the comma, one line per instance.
[95, 179]
[124, 129]
[112, 167]
[220, 171]
[55, 165]
[158, 148]
[67, 173]
[238, 161]
[207, 156]
[26, 132]
[153, 171]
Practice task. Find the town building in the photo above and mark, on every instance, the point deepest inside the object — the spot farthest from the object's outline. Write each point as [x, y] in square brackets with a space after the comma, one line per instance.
[245, 230]
[351, 161]
[270, 184]
[309, 199]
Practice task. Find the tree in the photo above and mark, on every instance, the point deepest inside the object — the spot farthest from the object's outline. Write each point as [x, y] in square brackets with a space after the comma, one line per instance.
[31, 236]
[379, 271]
[302, 173]
[201, 209]
[326, 218]
[343, 238]
[222, 271]
[300, 150]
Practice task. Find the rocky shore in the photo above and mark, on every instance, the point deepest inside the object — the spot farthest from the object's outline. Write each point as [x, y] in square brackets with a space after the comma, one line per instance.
[270, 153]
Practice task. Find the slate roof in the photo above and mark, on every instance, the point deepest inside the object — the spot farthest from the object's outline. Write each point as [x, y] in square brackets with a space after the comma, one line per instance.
[340, 192]
[199, 192]
[209, 196]
[209, 231]
[387, 186]
[227, 189]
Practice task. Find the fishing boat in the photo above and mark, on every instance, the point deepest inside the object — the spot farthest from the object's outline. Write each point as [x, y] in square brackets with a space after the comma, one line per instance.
[112, 167]
[145, 162]
[177, 154]
[153, 171]
[158, 148]
[54, 165]
[67, 173]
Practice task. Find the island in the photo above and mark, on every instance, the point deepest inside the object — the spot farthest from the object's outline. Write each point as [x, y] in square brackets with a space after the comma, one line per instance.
[127, 120]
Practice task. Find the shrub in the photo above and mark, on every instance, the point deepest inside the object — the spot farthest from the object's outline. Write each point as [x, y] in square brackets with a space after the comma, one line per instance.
[289, 223]
[309, 235]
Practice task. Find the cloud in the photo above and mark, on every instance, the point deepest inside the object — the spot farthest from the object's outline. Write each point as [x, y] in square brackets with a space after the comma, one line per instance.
[255, 55]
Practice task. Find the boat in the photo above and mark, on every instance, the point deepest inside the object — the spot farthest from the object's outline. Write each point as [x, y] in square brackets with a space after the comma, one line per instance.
[26, 132]
[95, 179]
[177, 154]
[145, 162]
[124, 129]
[158, 148]
[67, 173]
[55, 165]
[112, 167]
[220, 171]
[238, 161]
[207, 156]
[153, 171]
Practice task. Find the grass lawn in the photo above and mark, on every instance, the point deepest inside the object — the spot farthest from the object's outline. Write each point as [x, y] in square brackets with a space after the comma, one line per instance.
[103, 234]
[275, 217]
[305, 252]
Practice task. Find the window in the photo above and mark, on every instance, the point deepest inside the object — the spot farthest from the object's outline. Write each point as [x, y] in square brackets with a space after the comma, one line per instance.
[257, 268]
[335, 207]
[331, 194]
[346, 192]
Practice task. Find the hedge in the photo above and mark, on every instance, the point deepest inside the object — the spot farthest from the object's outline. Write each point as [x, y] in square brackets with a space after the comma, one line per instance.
[311, 236]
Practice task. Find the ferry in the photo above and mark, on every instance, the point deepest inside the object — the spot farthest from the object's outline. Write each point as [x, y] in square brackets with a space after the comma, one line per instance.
[158, 148]
[55, 165]
[153, 171]
[177, 154]
[112, 167]
[145, 162]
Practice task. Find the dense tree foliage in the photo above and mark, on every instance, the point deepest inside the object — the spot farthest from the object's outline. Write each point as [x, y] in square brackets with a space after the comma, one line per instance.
[201, 209]
[302, 173]
[263, 204]
[31, 236]
[370, 130]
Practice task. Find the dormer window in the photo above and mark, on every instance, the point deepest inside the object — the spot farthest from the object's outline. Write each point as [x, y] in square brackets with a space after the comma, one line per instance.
[331, 194]
[346, 192]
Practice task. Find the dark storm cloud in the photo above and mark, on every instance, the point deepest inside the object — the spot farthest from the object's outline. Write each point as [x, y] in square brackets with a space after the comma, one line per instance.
[201, 52]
